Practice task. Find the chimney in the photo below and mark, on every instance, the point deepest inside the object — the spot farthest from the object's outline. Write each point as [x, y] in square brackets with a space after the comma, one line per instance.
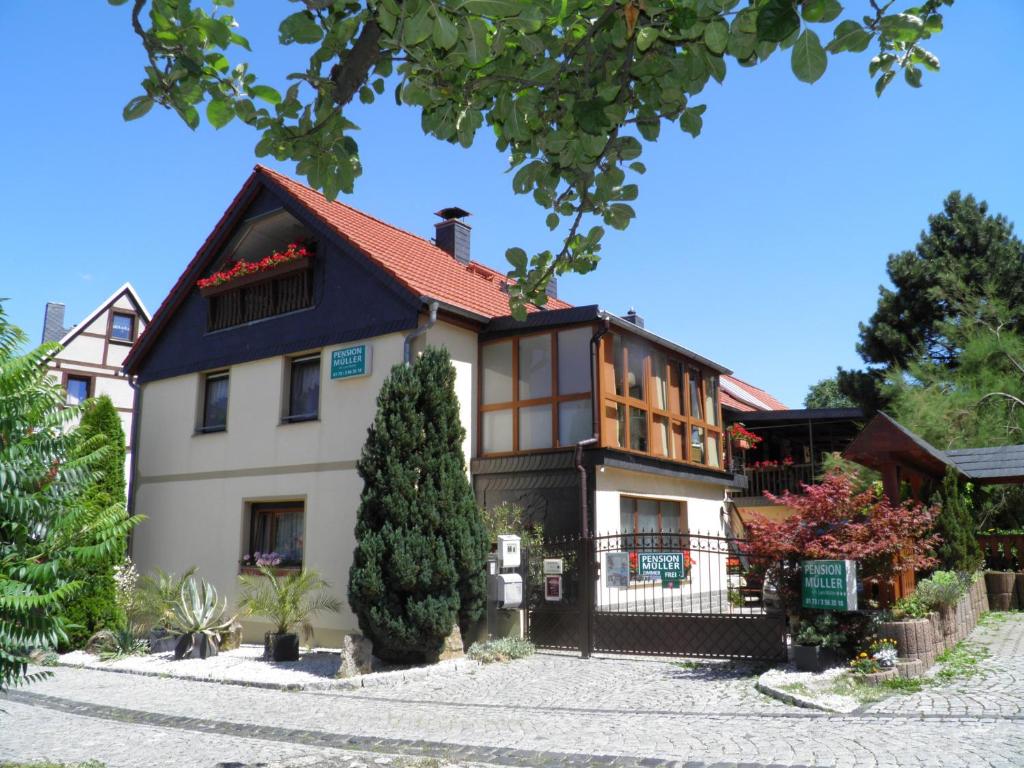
[634, 318]
[552, 288]
[452, 233]
[53, 322]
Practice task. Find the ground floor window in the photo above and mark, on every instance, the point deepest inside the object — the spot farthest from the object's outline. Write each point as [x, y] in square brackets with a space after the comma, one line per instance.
[276, 533]
[651, 525]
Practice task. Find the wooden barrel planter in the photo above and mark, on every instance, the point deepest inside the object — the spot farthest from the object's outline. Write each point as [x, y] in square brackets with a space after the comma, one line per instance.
[1002, 590]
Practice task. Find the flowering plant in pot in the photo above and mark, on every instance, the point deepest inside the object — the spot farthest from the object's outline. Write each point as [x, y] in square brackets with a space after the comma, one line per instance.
[742, 437]
[198, 620]
[294, 252]
[289, 601]
[816, 644]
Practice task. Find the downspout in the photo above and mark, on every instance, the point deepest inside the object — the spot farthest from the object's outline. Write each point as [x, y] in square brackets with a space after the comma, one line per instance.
[419, 331]
[593, 439]
[133, 466]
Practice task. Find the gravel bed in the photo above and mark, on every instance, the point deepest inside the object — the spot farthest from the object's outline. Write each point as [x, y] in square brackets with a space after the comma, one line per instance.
[813, 690]
[313, 671]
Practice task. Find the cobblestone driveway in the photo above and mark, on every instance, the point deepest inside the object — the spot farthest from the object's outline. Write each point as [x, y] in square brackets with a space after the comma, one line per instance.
[550, 709]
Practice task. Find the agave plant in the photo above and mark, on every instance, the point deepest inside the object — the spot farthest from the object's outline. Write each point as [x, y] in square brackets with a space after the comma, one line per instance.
[114, 644]
[288, 601]
[198, 618]
[158, 594]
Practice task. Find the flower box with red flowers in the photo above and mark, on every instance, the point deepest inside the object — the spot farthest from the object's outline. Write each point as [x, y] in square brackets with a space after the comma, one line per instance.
[742, 437]
[295, 258]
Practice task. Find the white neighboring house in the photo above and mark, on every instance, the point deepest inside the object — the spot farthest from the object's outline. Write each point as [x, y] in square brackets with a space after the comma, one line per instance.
[89, 363]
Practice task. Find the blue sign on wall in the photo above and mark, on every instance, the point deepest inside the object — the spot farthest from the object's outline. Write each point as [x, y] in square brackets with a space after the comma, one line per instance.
[349, 362]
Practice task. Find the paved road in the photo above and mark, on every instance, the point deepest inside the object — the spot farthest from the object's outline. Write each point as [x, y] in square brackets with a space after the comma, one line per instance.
[548, 710]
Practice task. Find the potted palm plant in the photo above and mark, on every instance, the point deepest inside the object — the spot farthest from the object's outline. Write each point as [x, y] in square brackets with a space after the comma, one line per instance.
[289, 602]
[198, 620]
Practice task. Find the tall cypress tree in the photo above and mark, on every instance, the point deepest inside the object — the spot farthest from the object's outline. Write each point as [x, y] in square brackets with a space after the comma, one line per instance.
[959, 550]
[94, 607]
[403, 584]
[446, 484]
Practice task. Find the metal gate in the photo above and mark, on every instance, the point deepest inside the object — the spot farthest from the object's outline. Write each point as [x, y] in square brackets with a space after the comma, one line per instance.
[654, 593]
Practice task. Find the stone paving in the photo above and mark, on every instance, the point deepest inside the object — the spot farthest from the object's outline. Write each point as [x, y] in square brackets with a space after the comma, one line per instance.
[548, 710]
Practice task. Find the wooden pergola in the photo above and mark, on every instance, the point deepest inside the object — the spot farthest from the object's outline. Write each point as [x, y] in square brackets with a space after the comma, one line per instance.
[902, 458]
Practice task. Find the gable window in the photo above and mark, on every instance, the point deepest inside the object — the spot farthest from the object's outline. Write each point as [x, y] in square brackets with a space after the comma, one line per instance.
[215, 402]
[535, 391]
[659, 406]
[303, 389]
[277, 529]
[78, 388]
[122, 327]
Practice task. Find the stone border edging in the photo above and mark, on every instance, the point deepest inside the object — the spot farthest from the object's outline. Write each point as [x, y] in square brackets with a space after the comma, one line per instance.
[389, 679]
[792, 699]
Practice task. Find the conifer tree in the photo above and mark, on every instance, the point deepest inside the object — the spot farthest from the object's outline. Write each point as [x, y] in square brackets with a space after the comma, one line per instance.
[403, 584]
[446, 484]
[959, 550]
[94, 607]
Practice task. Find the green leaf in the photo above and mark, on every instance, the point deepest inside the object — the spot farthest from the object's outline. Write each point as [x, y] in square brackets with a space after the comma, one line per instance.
[137, 107]
[495, 9]
[475, 40]
[716, 36]
[933, 24]
[820, 10]
[777, 20]
[902, 27]
[191, 116]
[552, 221]
[219, 112]
[418, 27]
[809, 60]
[849, 36]
[645, 38]
[884, 81]
[445, 34]
[300, 27]
[266, 93]
[591, 117]
[517, 258]
[691, 120]
[913, 77]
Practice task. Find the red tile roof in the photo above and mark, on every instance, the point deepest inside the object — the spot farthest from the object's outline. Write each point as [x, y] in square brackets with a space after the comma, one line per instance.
[415, 262]
[773, 403]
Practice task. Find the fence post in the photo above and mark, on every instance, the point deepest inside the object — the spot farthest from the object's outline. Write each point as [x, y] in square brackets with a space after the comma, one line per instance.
[586, 575]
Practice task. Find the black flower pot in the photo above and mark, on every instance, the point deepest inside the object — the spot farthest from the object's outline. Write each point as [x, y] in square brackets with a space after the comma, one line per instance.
[194, 646]
[285, 647]
[162, 640]
[813, 658]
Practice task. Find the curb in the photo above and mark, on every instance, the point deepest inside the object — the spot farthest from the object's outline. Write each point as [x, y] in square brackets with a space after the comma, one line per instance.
[793, 699]
[390, 679]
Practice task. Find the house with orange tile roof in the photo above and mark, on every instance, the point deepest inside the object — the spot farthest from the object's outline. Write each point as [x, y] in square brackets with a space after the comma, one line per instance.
[258, 375]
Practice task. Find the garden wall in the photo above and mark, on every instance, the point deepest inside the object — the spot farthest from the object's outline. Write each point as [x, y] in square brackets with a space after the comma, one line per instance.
[920, 641]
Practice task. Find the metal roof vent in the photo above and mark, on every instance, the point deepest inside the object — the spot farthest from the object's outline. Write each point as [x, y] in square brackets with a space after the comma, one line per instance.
[634, 318]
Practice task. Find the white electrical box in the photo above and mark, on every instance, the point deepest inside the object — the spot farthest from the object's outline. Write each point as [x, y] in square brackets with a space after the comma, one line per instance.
[507, 590]
[508, 551]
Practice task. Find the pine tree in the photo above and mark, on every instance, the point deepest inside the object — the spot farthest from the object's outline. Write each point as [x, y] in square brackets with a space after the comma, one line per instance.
[403, 584]
[94, 607]
[446, 483]
[959, 550]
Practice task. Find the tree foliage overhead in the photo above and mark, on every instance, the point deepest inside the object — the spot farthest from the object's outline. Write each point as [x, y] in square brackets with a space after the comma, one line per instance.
[46, 531]
[418, 566]
[566, 86]
[826, 394]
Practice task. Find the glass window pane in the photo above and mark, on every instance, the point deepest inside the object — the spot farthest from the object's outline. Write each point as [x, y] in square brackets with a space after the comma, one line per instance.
[678, 442]
[638, 429]
[647, 521]
[617, 359]
[574, 361]
[697, 445]
[121, 327]
[675, 383]
[496, 360]
[615, 424]
[215, 407]
[659, 398]
[711, 398]
[696, 411]
[288, 538]
[535, 427]
[304, 392]
[714, 452]
[626, 521]
[78, 389]
[497, 426]
[636, 353]
[670, 518]
[535, 367]
[574, 422]
[662, 446]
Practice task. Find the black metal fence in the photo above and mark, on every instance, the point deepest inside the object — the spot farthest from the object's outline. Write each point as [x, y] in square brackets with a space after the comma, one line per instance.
[650, 592]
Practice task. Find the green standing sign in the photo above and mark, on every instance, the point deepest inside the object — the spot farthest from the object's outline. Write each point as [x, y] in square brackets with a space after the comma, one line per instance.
[350, 362]
[669, 567]
[829, 585]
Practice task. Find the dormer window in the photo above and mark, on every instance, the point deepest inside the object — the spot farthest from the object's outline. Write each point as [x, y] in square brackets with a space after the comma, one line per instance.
[122, 327]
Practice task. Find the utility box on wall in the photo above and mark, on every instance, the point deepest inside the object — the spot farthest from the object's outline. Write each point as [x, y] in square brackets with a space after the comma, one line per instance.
[508, 551]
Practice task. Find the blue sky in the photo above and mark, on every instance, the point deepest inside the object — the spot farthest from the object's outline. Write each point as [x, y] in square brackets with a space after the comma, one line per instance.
[761, 244]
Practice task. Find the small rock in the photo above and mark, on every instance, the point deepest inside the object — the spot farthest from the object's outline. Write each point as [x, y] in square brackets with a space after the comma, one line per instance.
[231, 638]
[356, 656]
[452, 647]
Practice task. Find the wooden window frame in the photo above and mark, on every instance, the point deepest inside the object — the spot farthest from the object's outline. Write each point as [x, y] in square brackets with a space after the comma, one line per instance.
[134, 316]
[288, 417]
[276, 510]
[675, 365]
[515, 404]
[630, 538]
[90, 383]
[203, 428]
